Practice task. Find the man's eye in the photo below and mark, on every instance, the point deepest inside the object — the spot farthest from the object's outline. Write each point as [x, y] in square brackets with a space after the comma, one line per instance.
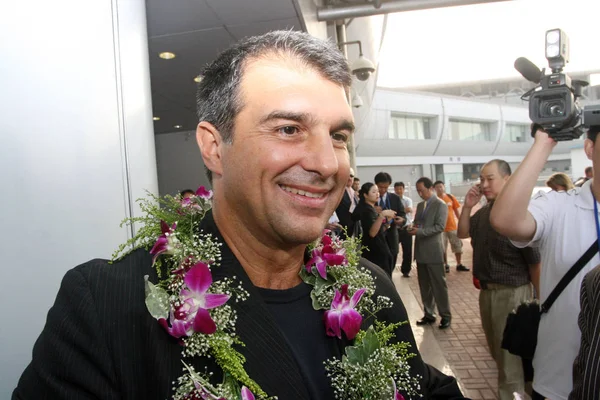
[339, 137]
[288, 130]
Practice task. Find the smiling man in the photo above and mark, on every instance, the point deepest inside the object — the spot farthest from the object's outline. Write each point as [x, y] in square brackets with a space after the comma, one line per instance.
[273, 133]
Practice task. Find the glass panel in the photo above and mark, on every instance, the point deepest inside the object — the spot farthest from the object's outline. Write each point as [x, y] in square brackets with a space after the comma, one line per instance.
[409, 127]
[515, 133]
[468, 130]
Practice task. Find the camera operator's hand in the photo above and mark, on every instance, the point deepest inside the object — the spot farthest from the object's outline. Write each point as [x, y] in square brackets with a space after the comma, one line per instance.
[542, 138]
[473, 196]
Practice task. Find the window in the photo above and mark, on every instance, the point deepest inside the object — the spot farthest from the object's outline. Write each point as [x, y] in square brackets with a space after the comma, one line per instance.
[468, 130]
[515, 133]
[409, 127]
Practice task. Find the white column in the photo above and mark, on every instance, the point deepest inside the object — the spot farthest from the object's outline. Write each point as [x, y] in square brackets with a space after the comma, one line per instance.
[77, 147]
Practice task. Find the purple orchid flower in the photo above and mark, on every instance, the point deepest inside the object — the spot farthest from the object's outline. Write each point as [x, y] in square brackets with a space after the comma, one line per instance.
[203, 193]
[318, 262]
[327, 255]
[179, 328]
[165, 242]
[195, 302]
[342, 316]
[247, 394]
[397, 396]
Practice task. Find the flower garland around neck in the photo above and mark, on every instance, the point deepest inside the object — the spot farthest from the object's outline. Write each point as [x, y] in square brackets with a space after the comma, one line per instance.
[197, 311]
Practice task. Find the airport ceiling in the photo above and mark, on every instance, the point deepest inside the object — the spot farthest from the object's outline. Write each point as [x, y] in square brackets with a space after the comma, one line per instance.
[196, 31]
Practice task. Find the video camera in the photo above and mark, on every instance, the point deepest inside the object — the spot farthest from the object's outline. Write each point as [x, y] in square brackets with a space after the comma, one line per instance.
[554, 103]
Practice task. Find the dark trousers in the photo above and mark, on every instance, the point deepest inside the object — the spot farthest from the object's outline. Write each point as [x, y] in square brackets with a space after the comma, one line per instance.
[406, 242]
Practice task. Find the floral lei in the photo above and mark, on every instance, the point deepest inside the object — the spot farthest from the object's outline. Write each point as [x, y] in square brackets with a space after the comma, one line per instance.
[193, 308]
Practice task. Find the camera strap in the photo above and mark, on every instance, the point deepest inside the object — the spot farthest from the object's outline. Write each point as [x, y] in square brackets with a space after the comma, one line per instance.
[582, 262]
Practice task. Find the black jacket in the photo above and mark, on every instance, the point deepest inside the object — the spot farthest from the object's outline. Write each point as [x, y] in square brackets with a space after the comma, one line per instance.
[100, 342]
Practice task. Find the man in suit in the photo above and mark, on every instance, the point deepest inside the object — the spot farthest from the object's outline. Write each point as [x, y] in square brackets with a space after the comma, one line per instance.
[275, 186]
[586, 369]
[347, 205]
[391, 201]
[429, 225]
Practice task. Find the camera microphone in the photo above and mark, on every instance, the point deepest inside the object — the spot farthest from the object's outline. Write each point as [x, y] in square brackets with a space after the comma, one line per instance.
[529, 70]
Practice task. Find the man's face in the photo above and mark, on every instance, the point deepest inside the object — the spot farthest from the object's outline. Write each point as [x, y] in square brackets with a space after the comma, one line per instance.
[350, 180]
[383, 188]
[440, 189]
[491, 181]
[356, 185]
[286, 169]
[423, 191]
[399, 190]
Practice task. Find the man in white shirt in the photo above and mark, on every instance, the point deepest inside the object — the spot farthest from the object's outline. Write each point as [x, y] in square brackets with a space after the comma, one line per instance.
[406, 240]
[562, 225]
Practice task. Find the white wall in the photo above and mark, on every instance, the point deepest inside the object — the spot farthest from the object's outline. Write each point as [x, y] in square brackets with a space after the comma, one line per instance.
[179, 162]
[77, 146]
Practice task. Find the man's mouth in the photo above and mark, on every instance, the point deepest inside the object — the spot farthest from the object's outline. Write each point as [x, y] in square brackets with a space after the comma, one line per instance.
[302, 192]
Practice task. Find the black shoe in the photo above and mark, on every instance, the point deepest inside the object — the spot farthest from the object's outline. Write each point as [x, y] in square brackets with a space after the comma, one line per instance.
[426, 320]
[447, 268]
[405, 275]
[445, 323]
[461, 267]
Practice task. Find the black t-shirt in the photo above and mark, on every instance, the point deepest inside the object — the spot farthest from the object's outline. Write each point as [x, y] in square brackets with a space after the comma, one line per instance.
[304, 330]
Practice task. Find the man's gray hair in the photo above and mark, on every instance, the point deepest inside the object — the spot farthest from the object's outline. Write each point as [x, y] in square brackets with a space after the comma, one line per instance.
[218, 98]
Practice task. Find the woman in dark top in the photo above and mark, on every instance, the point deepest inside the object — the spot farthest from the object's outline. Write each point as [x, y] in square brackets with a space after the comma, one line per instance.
[374, 224]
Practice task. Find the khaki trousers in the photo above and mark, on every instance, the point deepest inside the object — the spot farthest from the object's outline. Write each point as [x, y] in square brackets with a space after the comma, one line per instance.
[495, 303]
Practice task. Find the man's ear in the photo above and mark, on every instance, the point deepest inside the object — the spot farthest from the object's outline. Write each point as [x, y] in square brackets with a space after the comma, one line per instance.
[588, 147]
[210, 144]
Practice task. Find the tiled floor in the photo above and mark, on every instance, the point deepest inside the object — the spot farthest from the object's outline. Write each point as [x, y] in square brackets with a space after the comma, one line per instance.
[460, 350]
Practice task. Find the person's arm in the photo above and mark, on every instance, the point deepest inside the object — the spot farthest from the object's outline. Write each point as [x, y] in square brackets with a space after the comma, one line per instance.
[464, 221]
[439, 222]
[534, 275]
[456, 207]
[400, 217]
[70, 357]
[372, 226]
[510, 216]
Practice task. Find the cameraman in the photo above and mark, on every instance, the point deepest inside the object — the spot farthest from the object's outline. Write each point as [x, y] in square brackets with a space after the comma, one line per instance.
[562, 225]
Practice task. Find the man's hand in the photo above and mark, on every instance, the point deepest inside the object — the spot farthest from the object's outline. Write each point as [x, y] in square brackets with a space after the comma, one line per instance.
[473, 196]
[413, 231]
[542, 138]
[399, 221]
[378, 209]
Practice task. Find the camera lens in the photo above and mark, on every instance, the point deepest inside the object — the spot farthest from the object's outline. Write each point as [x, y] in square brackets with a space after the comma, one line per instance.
[552, 108]
[557, 110]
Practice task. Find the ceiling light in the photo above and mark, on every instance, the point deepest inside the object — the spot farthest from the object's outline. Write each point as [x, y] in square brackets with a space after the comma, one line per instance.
[177, 126]
[198, 78]
[166, 55]
[155, 118]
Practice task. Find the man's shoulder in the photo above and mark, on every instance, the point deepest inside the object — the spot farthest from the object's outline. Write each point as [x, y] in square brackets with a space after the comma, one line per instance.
[106, 276]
